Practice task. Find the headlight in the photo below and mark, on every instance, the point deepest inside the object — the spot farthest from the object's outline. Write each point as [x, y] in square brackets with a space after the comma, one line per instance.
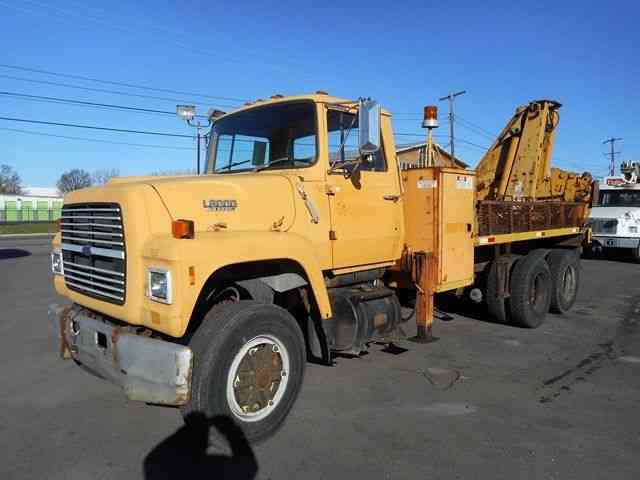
[56, 262]
[159, 285]
[633, 229]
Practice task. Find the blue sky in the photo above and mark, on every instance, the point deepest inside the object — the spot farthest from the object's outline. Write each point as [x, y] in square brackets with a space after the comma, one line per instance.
[406, 55]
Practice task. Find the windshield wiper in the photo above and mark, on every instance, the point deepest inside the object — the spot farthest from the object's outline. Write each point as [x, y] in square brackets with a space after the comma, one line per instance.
[230, 166]
[272, 163]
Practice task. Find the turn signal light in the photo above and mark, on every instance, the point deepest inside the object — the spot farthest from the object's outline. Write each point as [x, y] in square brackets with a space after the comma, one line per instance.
[182, 229]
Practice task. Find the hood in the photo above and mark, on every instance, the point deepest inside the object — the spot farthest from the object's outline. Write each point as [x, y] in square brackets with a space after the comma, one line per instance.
[629, 213]
[253, 201]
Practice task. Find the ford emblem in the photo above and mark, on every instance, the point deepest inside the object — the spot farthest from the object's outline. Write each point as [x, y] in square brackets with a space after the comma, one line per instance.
[86, 250]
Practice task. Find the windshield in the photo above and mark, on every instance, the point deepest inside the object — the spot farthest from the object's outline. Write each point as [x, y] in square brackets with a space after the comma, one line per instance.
[622, 198]
[277, 136]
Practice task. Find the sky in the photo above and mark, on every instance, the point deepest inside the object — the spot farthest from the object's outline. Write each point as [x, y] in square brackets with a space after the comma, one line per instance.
[219, 54]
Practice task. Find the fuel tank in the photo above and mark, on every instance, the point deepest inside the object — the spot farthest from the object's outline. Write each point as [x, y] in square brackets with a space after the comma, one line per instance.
[361, 313]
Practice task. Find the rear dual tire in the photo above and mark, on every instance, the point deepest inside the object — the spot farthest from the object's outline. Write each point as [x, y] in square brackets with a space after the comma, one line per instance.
[564, 266]
[530, 291]
[538, 285]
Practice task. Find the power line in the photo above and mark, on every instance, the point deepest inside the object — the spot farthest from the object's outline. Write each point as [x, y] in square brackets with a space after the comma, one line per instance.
[80, 18]
[97, 140]
[421, 135]
[473, 144]
[93, 127]
[475, 130]
[486, 132]
[83, 103]
[103, 90]
[119, 84]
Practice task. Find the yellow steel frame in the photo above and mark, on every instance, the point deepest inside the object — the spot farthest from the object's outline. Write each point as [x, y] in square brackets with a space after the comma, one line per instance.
[522, 236]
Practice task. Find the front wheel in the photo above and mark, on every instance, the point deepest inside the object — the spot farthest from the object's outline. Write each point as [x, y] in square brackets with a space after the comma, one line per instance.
[635, 254]
[249, 361]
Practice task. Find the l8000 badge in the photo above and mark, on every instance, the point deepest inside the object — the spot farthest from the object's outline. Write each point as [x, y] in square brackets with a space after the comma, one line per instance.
[220, 205]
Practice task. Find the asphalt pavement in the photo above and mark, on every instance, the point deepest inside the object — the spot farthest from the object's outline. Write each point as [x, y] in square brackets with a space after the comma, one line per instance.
[484, 401]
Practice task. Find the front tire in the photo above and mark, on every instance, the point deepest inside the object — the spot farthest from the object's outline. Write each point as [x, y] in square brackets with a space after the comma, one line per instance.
[635, 254]
[249, 361]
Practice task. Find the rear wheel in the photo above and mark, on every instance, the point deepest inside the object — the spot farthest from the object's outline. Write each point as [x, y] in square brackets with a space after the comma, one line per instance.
[530, 291]
[496, 305]
[564, 267]
[249, 361]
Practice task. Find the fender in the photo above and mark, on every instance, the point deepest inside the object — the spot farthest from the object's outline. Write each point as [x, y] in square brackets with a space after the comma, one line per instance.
[209, 252]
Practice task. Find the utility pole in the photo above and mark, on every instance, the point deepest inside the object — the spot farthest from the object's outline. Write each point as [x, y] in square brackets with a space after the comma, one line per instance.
[612, 154]
[451, 98]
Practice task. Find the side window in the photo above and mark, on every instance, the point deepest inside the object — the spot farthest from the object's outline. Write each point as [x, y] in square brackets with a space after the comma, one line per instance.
[304, 149]
[343, 142]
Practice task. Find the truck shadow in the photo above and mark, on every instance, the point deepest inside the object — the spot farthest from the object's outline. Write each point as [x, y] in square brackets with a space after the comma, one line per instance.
[7, 253]
[611, 256]
[184, 453]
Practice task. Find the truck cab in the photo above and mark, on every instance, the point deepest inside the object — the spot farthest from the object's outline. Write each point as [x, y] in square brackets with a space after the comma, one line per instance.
[615, 222]
[175, 282]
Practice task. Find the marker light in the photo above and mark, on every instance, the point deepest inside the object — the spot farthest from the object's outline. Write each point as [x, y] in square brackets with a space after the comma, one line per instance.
[182, 229]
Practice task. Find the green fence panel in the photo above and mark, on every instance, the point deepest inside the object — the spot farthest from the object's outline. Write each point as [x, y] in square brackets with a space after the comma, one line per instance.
[57, 210]
[28, 214]
[11, 211]
[42, 210]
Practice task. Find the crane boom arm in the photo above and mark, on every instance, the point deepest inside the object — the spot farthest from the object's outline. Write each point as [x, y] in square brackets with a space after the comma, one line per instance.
[518, 164]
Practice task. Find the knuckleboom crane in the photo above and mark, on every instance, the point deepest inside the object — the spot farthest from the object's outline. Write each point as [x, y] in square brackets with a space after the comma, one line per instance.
[517, 166]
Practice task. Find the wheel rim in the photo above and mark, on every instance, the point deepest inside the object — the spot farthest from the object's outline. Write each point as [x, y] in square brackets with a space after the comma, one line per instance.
[258, 378]
[538, 293]
[569, 282]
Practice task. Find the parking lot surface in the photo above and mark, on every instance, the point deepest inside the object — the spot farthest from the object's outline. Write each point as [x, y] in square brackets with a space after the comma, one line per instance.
[484, 401]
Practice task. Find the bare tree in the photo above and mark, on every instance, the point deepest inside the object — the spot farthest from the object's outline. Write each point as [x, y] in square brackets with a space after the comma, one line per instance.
[100, 177]
[74, 180]
[10, 181]
[173, 173]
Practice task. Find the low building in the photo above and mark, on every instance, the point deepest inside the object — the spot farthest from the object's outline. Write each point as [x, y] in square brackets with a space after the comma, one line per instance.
[414, 154]
[35, 204]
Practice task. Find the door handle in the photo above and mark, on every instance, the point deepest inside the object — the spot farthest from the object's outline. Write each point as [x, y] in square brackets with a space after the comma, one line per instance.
[392, 198]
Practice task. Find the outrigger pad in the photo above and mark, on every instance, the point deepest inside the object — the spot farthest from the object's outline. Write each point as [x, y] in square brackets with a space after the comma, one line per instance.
[422, 336]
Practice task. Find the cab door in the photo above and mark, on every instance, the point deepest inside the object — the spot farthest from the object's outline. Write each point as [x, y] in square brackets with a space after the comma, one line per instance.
[365, 203]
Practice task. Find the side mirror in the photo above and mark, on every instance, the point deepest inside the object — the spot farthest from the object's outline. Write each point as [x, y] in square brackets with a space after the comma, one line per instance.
[368, 126]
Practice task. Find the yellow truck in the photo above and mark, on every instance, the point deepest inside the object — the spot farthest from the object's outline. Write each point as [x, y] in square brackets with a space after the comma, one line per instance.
[211, 292]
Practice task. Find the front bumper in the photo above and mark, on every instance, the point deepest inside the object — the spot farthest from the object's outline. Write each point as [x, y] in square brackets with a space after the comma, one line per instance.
[147, 369]
[616, 242]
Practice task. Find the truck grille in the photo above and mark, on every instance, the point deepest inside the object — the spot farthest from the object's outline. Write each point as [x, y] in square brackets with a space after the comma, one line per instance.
[93, 250]
[604, 225]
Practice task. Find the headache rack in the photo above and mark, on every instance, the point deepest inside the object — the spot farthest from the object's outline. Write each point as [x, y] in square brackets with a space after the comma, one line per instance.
[93, 250]
[497, 217]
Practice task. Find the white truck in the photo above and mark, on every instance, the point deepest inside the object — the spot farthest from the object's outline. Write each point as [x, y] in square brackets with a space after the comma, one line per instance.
[615, 222]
